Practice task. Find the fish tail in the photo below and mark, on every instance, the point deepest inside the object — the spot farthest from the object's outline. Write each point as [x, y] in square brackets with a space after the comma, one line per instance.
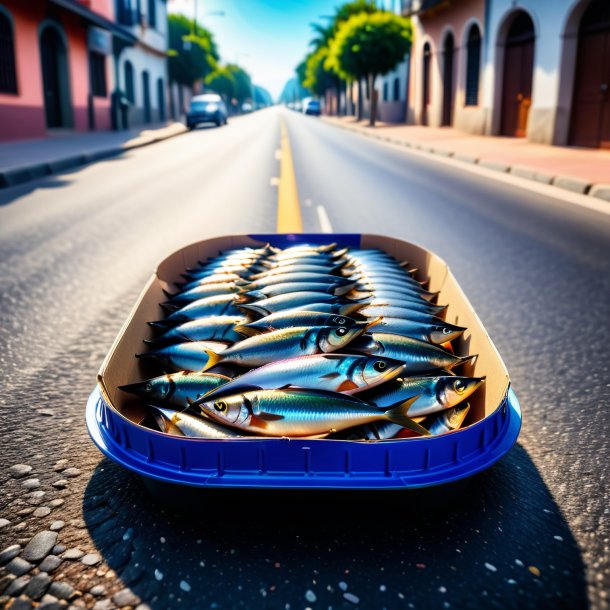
[213, 359]
[398, 415]
[341, 290]
[252, 308]
[169, 306]
[467, 359]
[242, 282]
[404, 264]
[162, 324]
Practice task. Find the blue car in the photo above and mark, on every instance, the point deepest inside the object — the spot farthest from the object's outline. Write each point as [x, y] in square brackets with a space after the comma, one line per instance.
[207, 108]
[312, 107]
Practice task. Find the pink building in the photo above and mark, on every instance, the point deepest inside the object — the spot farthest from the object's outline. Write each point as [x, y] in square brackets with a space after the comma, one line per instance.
[56, 66]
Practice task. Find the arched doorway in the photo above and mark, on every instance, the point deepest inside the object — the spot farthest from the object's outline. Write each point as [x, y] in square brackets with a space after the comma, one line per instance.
[146, 96]
[517, 76]
[55, 78]
[590, 122]
[425, 100]
[448, 50]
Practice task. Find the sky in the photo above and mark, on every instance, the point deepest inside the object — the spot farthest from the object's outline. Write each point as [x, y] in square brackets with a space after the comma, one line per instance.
[267, 37]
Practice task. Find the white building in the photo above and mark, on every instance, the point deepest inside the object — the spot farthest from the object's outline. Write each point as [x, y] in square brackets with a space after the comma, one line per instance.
[142, 68]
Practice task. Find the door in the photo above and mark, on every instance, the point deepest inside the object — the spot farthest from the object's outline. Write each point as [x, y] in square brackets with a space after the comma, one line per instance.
[425, 99]
[146, 96]
[590, 121]
[518, 75]
[448, 49]
[54, 78]
[161, 99]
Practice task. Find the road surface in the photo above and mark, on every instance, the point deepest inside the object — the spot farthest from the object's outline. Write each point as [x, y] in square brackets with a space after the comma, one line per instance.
[75, 251]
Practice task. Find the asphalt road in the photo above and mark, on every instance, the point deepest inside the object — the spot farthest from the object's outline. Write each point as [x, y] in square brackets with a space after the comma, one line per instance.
[76, 249]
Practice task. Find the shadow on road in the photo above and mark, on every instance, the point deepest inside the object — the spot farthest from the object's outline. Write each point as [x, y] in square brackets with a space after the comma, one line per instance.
[502, 542]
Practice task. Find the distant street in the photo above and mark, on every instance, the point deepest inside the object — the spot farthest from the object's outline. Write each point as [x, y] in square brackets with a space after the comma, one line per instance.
[77, 248]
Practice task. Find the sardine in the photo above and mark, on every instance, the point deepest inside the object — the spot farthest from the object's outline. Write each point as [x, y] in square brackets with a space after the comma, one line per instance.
[332, 372]
[406, 310]
[199, 292]
[434, 331]
[283, 278]
[294, 317]
[219, 305]
[190, 356]
[300, 413]
[434, 394]
[289, 301]
[275, 290]
[219, 328]
[449, 420]
[330, 268]
[177, 389]
[195, 427]
[418, 356]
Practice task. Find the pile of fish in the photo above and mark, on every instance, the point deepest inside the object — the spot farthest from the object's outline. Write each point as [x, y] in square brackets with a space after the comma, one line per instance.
[307, 342]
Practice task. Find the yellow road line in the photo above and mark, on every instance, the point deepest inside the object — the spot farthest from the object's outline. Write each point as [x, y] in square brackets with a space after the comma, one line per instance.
[288, 208]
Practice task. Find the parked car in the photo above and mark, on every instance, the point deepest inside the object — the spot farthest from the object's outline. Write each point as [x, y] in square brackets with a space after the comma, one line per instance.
[206, 108]
[312, 107]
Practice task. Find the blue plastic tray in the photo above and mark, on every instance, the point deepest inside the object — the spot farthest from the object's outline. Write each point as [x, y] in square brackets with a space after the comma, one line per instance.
[293, 463]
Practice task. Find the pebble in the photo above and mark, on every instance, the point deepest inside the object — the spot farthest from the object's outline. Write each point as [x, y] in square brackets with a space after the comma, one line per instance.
[558, 538]
[60, 484]
[45, 412]
[25, 511]
[42, 511]
[5, 581]
[19, 470]
[40, 546]
[62, 590]
[22, 603]
[350, 597]
[185, 586]
[71, 472]
[58, 549]
[310, 596]
[4, 523]
[126, 597]
[9, 553]
[19, 566]
[534, 570]
[343, 586]
[60, 465]
[37, 586]
[158, 575]
[73, 554]
[17, 586]
[98, 590]
[50, 563]
[57, 525]
[91, 559]
[49, 602]
[31, 483]
[103, 604]
[57, 502]
[519, 563]
[491, 567]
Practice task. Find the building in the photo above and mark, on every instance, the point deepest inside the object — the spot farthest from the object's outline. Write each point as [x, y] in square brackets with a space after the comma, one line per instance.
[538, 69]
[55, 66]
[142, 67]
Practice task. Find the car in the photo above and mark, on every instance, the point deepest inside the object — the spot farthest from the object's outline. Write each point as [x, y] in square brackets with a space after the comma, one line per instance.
[312, 107]
[206, 108]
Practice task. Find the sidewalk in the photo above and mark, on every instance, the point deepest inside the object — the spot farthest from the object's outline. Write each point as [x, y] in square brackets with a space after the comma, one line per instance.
[582, 170]
[24, 160]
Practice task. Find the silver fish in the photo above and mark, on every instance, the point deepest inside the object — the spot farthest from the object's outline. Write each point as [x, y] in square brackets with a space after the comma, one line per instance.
[330, 268]
[294, 317]
[289, 301]
[300, 413]
[219, 328]
[190, 356]
[449, 420]
[275, 290]
[404, 310]
[219, 305]
[435, 331]
[194, 427]
[200, 292]
[283, 278]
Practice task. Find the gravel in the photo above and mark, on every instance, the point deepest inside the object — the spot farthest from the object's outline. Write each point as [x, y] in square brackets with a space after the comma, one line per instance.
[40, 546]
[17, 586]
[125, 597]
[10, 552]
[62, 590]
[19, 470]
[50, 563]
[98, 590]
[31, 483]
[19, 566]
[22, 603]
[91, 559]
[57, 525]
[37, 586]
[73, 554]
[60, 484]
[42, 511]
[71, 472]
[4, 523]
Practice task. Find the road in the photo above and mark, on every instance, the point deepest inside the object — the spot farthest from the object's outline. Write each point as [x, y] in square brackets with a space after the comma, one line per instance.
[76, 249]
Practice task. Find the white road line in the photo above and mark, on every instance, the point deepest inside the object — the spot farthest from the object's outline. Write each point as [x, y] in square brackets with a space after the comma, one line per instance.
[323, 219]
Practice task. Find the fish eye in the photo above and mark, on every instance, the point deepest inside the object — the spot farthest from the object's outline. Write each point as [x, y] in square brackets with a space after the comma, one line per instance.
[446, 331]
[380, 365]
[341, 331]
[339, 321]
[220, 406]
[148, 387]
[459, 386]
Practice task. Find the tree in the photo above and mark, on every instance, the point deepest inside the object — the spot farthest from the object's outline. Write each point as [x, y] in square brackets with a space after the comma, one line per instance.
[192, 51]
[243, 83]
[370, 45]
[221, 81]
[317, 78]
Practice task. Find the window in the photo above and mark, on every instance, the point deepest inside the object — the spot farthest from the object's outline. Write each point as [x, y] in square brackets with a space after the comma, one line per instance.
[8, 75]
[396, 89]
[473, 64]
[385, 91]
[97, 67]
[130, 93]
[152, 13]
[426, 76]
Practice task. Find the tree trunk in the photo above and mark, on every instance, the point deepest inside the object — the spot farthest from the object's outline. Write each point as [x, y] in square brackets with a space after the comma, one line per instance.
[359, 107]
[373, 100]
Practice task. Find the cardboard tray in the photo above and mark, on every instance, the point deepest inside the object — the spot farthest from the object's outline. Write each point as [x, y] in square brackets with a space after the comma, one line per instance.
[490, 430]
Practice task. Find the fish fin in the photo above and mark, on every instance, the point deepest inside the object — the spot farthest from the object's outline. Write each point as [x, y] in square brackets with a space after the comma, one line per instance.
[161, 324]
[404, 264]
[242, 282]
[346, 386]
[340, 253]
[251, 294]
[169, 306]
[213, 359]
[332, 375]
[248, 331]
[413, 271]
[467, 359]
[252, 308]
[269, 417]
[167, 293]
[398, 415]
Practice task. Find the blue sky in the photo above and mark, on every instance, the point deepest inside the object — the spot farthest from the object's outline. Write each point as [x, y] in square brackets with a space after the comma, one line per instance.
[267, 37]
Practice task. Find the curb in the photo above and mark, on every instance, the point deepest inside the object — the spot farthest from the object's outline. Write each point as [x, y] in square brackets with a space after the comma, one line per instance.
[567, 183]
[27, 173]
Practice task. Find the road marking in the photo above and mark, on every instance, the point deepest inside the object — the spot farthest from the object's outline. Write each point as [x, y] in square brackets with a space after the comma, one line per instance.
[278, 155]
[288, 209]
[274, 181]
[323, 219]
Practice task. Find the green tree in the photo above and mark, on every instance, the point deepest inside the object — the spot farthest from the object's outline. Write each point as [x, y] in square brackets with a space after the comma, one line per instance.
[243, 83]
[370, 45]
[221, 81]
[317, 78]
[192, 51]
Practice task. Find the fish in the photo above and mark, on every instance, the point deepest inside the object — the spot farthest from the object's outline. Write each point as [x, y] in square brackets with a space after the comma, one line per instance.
[406, 310]
[177, 389]
[283, 278]
[435, 393]
[219, 305]
[435, 331]
[311, 247]
[287, 343]
[332, 372]
[449, 420]
[418, 356]
[274, 290]
[294, 317]
[212, 278]
[210, 328]
[199, 292]
[341, 308]
[191, 425]
[330, 268]
[305, 255]
[301, 413]
[189, 356]
[397, 295]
